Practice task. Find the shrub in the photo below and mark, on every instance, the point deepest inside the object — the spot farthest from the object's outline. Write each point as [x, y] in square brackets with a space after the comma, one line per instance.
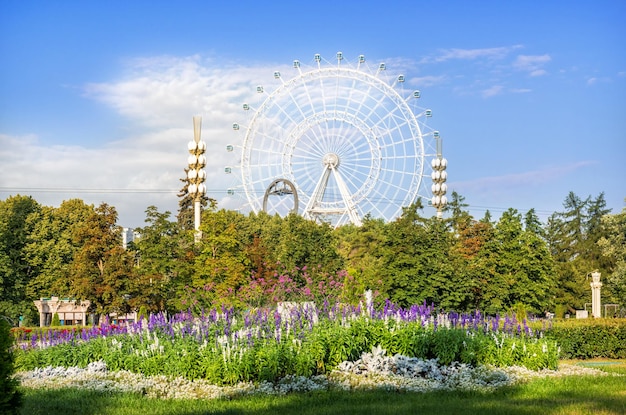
[55, 320]
[10, 397]
[448, 345]
[590, 338]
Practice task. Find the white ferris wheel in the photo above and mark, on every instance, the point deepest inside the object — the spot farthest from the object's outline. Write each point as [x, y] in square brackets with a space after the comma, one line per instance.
[337, 141]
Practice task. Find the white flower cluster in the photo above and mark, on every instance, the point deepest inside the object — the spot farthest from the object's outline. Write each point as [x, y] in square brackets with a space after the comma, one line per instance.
[373, 370]
[97, 377]
[376, 370]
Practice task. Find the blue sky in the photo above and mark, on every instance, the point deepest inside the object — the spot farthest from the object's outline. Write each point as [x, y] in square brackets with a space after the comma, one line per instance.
[97, 98]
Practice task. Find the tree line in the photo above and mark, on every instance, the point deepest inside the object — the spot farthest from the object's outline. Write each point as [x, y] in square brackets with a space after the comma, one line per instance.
[458, 263]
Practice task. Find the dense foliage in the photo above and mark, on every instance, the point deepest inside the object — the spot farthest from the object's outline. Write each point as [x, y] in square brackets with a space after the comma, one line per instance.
[459, 263]
[10, 396]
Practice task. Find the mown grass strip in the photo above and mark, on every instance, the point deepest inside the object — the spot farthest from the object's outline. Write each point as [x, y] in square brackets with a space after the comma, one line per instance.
[571, 395]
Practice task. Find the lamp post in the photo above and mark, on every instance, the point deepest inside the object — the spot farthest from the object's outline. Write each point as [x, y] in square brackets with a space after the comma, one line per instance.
[439, 177]
[196, 175]
[596, 311]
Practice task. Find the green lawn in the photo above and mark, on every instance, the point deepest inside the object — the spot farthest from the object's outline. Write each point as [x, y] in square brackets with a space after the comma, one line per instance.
[571, 395]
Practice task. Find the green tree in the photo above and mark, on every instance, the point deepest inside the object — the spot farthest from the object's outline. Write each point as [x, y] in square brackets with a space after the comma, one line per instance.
[471, 239]
[487, 217]
[303, 242]
[417, 265]
[262, 252]
[573, 237]
[51, 247]
[469, 246]
[221, 266]
[460, 217]
[613, 246]
[15, 272]
[595, 229]
[102, 270]
[518, 268]
[450, 285]
[360, 246]
[533, 224]
[164, 254]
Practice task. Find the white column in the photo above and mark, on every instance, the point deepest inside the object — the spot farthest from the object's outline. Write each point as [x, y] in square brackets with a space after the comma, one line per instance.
[196, 211]
[596, 310]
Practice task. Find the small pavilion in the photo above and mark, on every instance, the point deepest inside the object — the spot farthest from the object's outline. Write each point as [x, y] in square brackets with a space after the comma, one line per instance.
[70, 312]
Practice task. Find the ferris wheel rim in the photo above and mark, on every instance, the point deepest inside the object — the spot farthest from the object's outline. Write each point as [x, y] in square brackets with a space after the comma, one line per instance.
[292, 136]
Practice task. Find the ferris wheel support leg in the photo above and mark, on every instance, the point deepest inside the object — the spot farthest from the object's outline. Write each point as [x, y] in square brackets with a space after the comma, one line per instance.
[318, 194]
[347, 200]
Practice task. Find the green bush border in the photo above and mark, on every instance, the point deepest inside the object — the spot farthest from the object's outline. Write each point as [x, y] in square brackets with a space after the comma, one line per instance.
[590, 338]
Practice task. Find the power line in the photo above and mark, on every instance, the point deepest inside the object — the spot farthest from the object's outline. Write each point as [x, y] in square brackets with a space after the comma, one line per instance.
[213, 191]
[74, 190]
[90, 190]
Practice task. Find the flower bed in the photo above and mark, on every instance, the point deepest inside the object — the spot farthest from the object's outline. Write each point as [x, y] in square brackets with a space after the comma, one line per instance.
[373, 370]
[229, 348]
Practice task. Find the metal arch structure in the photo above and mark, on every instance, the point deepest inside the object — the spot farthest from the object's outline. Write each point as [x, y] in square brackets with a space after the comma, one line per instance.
[281, 188]
[350, 141]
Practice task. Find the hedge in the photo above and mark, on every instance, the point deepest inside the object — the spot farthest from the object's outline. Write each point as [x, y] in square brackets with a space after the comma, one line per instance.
[592, 338]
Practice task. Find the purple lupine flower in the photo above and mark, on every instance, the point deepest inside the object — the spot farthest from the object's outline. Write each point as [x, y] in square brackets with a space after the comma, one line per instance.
[249, 336]
[454, 319]
[463, 320]
[277, 320]
[495, 325]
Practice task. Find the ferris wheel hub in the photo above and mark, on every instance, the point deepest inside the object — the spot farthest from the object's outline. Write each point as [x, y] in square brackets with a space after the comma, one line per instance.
[330, 160]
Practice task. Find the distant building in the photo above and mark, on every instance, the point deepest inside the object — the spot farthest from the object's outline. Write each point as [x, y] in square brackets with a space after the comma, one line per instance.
[129, 235]
[70, 312]
[74, 313]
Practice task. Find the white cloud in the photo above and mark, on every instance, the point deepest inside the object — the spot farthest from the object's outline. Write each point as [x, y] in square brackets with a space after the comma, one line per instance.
[161, 91]
[528, 178]
[596, 80]
[533, 64]
[426, 81]
[493, 91]
[471, 54]
[158, 97]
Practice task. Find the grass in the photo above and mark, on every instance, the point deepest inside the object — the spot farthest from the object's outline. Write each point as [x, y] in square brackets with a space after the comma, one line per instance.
[572, 395]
